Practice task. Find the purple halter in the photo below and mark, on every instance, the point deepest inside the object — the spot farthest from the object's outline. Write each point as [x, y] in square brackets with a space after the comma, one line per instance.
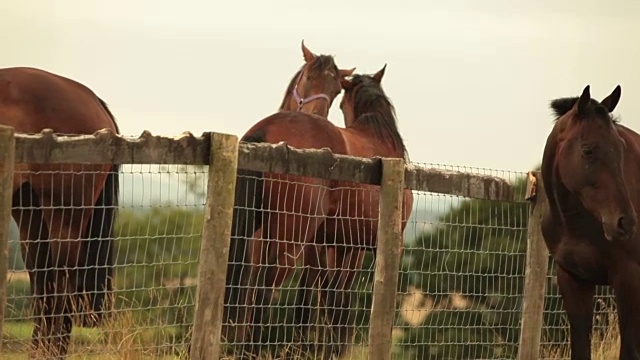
[302, 101]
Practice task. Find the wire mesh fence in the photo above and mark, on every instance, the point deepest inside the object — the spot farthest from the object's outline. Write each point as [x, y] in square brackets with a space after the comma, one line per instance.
[462, 281]
[463, 275]
[459, 297]
[155, 254]
[316, 298]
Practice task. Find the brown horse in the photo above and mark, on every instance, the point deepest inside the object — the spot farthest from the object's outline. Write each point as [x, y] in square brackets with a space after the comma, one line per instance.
[591, 176]
[318, 79]
[64, 212]
[311, 90]
[277, 216]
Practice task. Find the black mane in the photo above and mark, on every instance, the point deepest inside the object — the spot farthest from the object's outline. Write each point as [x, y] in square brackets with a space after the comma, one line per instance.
[372, 108]
[321, 63]
[562, 106]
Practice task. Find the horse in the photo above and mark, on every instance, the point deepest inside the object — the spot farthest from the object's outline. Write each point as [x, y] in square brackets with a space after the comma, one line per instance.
[590, 174]
[65, 212]
[321, 81]
[271, 229]
[311, 90]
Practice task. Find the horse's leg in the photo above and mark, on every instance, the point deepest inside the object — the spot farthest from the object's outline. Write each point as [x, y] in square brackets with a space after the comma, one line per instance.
[623, 279]
[36, 252]
[348, 259]
[60, 322]
[578, 303]
[246, 328]
[288, 230]
[279, 264]
[309, 278]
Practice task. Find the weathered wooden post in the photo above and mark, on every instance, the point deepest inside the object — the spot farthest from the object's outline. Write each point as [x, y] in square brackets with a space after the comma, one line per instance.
[535, 275]
[7, 159]
[387, 259]
[214, 250]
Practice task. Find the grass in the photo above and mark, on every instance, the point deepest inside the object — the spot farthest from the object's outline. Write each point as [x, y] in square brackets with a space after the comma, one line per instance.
[119, 338]
[605, 344]
[141, 330]
[145, 325]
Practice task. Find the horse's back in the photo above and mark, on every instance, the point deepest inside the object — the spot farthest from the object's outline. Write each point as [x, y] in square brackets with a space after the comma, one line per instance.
[33, 99]
[299, 130]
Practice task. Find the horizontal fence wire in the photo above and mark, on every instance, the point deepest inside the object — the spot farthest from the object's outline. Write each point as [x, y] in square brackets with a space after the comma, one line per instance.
[460, 288]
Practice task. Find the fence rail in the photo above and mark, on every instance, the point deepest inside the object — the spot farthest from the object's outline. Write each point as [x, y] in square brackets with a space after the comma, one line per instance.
[219, 152]
[106, 147]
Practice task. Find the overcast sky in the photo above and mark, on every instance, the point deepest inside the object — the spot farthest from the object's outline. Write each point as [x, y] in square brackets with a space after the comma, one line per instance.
[471, 80]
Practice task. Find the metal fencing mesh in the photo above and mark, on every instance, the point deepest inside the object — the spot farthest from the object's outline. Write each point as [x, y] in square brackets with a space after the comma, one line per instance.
[157, 236]
[459, 296]
[308, 311]
[462, 281]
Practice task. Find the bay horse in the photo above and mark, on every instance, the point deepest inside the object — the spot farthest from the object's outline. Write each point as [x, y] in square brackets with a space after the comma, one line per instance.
[591, 176]
[277, 216]
[65, 212]
[311, 90]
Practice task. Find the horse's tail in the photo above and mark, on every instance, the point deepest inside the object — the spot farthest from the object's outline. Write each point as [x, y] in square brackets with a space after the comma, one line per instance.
[96, 276]
[247, 218]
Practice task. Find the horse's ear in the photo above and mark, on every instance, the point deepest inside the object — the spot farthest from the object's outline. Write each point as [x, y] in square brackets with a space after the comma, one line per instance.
[584, 100]
[378, 76]
[308, 55]
[611, 101]
[344, 72]
[346, 84]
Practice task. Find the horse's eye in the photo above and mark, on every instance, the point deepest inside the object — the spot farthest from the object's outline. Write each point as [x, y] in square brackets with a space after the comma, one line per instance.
[587, 151]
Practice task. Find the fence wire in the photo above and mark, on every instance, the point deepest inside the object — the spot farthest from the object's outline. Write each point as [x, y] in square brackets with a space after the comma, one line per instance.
[329, 311]
[155, 253]
[460, 288]
[462, 281]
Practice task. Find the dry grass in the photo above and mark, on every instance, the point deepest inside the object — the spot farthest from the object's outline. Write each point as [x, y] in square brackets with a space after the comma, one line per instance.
[605, 345]
[119, 338]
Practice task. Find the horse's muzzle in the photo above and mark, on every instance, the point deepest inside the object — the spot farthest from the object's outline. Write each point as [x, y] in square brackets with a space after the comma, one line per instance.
[625, 228]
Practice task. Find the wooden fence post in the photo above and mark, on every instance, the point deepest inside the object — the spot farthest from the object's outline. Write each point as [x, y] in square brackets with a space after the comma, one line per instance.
[214, 249]
[387, 259]
[7, 158]
[535, 275]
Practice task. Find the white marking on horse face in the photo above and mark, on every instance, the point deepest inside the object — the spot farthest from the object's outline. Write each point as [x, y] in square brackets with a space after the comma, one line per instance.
[329, 72]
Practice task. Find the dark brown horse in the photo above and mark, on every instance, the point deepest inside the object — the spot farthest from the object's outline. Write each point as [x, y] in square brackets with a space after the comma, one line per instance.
[591, 174]
[64, 212]
[278, 216]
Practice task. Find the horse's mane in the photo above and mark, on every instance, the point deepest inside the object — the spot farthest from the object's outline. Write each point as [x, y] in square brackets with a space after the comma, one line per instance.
[562, 106]
[372, 108]
[321, 63]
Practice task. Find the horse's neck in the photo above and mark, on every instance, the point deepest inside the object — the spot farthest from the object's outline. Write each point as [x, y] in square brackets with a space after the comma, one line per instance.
[569, 210]
[374, 127]
[287, 104]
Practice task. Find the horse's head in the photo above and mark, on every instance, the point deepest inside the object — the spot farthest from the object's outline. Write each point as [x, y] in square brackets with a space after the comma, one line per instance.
[363, 85]
[316, 85]
[589, 161]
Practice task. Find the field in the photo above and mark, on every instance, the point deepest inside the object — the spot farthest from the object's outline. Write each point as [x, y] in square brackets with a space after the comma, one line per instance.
[124, 338]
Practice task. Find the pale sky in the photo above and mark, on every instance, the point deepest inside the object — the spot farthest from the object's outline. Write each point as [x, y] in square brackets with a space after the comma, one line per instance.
[471, 80]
